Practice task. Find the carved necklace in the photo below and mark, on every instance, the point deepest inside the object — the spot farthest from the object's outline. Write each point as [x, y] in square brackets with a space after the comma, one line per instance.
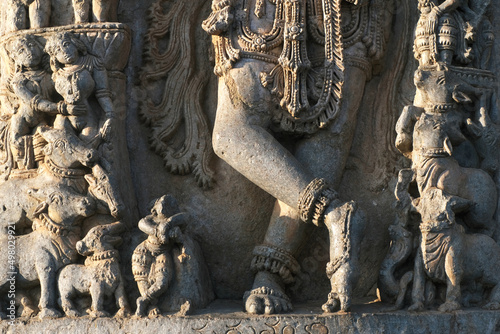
[51, 226]
[64, 172]
[105, 255]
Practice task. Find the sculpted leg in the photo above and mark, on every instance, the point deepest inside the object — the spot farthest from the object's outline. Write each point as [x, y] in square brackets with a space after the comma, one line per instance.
[47, 275]
[100, 10]
[16, 16]
[81, 10]
[39, 12]
[97, 294]
[323, 155]
[242, 137]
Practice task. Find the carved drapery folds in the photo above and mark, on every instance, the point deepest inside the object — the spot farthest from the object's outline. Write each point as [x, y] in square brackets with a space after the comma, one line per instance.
[447, 225]
[174, 86]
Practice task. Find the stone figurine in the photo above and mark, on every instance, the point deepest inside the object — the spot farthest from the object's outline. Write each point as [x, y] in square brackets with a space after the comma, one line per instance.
[100, 276]
[449, 255]
[447, 31]
[285, 71]
[168, 264]
[447, 211]
[33, 88]
[50, 246]
[78, 76]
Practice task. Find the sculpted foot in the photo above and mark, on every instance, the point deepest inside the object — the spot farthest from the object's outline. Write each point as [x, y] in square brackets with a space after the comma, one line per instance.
[154, 313]
[449, 307]
[492, 306]
[267, 296]
[416, 307]
[49, 313]
[29, 310]
[72, 313]
[99, 314]
[123, 312]
[345, 223]
[332, 305]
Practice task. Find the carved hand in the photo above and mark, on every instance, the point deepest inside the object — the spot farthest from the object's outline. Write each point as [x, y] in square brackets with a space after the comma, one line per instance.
[176, 235]
[107, 129]
[218, 21]
[76, 110]
[162, 231]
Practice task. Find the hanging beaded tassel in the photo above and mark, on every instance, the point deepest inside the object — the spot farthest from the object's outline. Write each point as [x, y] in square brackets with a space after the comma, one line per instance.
[260, 8]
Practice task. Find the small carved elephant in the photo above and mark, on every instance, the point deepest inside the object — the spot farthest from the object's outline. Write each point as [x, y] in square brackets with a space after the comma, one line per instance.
[100, 276]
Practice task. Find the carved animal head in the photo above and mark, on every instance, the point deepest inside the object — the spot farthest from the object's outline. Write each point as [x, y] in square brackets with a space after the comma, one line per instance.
[63, 205]
[439, 86]
[108, 197]
[66, 150]
[431, 136]
[100, 238]
[438, 209]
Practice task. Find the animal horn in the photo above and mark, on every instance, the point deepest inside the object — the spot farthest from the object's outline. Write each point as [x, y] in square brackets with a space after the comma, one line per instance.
[178, 219]
[37, 194]
[447, 146]
[115, 228]
[459, 204]
[41, 208]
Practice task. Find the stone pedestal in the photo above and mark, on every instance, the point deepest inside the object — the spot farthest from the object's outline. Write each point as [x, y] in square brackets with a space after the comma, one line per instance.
[224, 316]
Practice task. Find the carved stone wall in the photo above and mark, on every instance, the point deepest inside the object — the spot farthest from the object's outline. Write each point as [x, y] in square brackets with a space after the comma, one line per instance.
[163, 96]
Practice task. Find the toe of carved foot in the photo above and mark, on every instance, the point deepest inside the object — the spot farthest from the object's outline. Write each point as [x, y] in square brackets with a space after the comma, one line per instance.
[266, 301]
[416, 307]
[49, 313]
[449, 306]
[99, 314]
[492, 306]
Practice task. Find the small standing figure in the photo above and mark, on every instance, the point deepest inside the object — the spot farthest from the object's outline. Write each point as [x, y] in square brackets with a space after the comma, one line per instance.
[152, 263]
[102, 10]
[26, 14]
[32, 86]
[79, 76]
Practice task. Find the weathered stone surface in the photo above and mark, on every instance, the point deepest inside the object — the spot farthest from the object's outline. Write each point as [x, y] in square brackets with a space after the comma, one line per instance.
[228, 319]
[161, 110]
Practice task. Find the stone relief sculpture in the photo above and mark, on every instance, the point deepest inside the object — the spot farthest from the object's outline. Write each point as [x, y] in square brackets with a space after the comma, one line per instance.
[291, 77]
[99, 277]
[77, 76]
[27, 14]
[284, 71]
[33, 87]
[169, 260]
[447, 201]
[61, 160]
[178, 116]
[50, 246]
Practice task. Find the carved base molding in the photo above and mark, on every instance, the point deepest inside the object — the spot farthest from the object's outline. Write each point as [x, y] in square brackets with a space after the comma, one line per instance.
[227, 317]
